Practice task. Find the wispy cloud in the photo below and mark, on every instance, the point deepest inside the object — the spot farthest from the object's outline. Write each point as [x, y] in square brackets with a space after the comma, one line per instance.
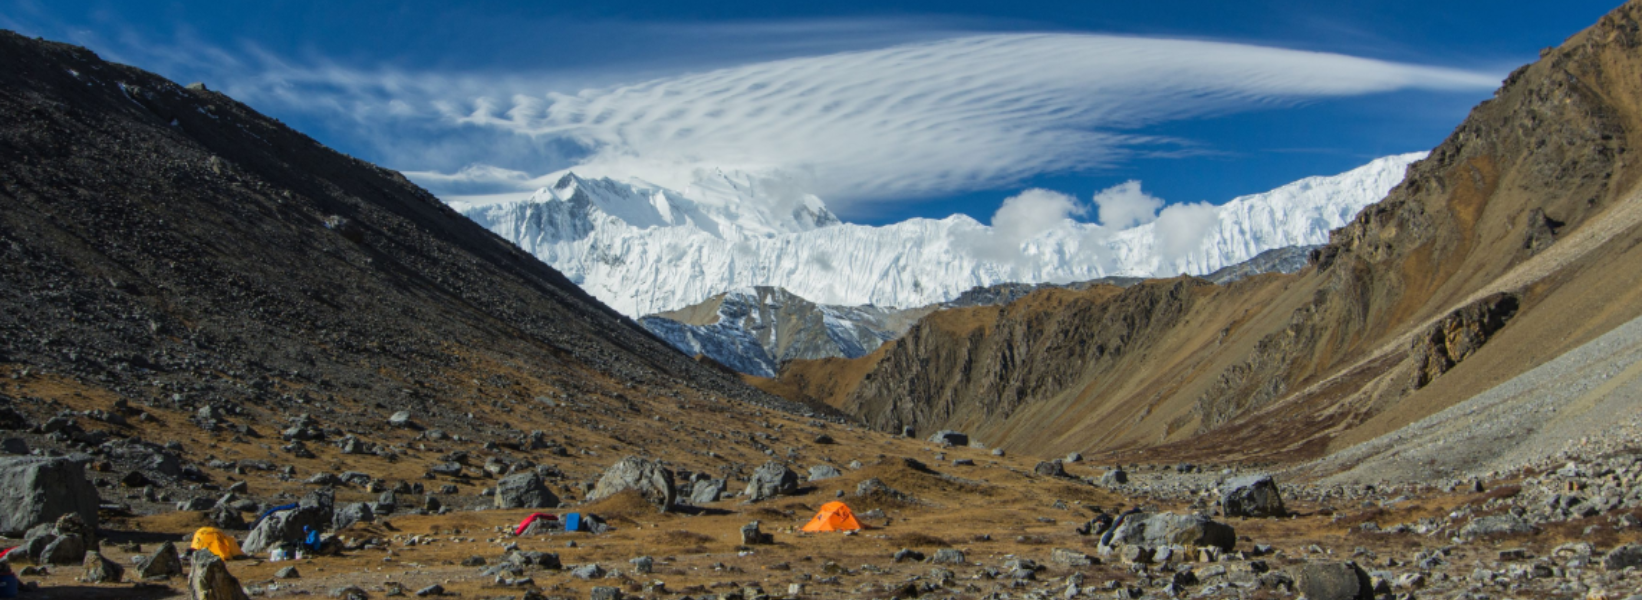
[906, 119]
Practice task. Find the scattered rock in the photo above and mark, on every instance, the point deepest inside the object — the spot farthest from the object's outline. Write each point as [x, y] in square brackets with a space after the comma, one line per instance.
[1169, 529]
[210, 580]
[1253, 496]
[751, 534]
[524, 490]
[1495, 524]
[652, 479]
[770, 480]
[948, 556]
[949, 438]
[287, 572]
[41, 490]
[100, 569]
[1070, 558]
[818, 472]
[161, 564]
[1051, 468]
[1333, 581]
[1624, 556]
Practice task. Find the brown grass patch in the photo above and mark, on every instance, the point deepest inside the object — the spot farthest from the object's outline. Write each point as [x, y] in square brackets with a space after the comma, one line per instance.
[681, 538]
[918, 540]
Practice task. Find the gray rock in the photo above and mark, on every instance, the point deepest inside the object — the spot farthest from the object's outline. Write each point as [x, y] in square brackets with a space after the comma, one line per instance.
[1333, 581]
[524, 490]
[161, 564]
[590, 571]
[1624, 556]
[1051, 468]
[1495, 524]
[63, 550]
[706, 491]
[603, 592]
[818, 472]
[99, 569]
[350, 514]
[770, 481]
[642, 564]
[1114, 477]
[1070, 558]
[751, 534]
[1075, 457]
[907, 554]
[948, 556]
[210, 580]
[652, 479]
[1169, 529]
[949, 438]
[431, 590]
[39, 490]
[401, 419]
[226, 517]
[287, 572]
[285, 526]
[1253, 496]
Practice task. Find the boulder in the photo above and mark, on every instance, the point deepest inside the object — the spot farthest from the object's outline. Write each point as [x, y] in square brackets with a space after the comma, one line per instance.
[1252, 496]
[1051, 468]
[949, 438]
[100, 569]
[402, 419]
[818, 472]
[1624, 556]
[1169, 529]
[350, 514]
[770, 481]
[1070, 558]
[1494, 525]
[1114, 477]
[163, 563]
[209, 579]
[652, 479]
[1333, 581]
[751, 534]
[285, 526]
[706, 491]
[524, 490]
[226, 517]
[948, 556]
[38, 490]
[63, 550]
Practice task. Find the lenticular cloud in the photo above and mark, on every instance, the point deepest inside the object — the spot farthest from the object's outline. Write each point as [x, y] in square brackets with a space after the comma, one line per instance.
[923, 118]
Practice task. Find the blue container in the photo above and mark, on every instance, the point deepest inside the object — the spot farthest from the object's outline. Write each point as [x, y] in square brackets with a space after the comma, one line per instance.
[8, 586]
[572, 522]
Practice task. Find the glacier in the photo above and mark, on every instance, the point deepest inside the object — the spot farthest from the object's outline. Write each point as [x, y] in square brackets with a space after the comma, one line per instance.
[644, 249]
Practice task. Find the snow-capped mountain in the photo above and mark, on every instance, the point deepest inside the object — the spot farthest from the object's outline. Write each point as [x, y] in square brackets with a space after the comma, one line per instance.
[644, 249]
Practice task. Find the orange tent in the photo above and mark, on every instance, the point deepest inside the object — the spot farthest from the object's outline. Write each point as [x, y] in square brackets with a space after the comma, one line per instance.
[834, 516]
[217, 542]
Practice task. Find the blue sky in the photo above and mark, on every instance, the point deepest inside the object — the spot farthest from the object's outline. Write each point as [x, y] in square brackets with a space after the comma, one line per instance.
[887, 110]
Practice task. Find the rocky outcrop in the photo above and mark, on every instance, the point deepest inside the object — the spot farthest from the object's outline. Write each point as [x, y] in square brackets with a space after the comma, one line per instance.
[285, 526]
[526, 490]
[1170, 529]
[36, 490]
[1252, 496]
[770, 480]
[1453, 338]
[209, 579]
[651, 479]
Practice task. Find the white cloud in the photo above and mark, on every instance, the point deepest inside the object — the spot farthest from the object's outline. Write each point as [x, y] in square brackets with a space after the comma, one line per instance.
[1020, 218]
[1125, 205]
[953, 113]
[1181, 228]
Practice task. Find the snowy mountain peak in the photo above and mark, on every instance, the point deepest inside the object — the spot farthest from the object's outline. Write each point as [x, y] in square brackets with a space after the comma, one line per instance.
[645, 249]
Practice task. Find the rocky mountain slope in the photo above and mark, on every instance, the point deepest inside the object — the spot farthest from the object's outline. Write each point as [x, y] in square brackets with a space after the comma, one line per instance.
[168, 253]
[1514, 241]
[754, 330]
[643, 249]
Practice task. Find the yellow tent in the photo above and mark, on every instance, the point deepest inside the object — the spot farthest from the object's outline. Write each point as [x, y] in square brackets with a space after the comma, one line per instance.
[834, 516]
[218, 542]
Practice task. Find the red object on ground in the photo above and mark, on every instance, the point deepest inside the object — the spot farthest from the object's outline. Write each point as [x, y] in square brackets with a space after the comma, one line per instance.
[533, 517]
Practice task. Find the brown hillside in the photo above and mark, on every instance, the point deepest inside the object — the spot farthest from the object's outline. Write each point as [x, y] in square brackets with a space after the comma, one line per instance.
[1515, 240]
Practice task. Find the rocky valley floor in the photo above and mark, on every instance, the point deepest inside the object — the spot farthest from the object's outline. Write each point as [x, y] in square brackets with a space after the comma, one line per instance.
[942, 522]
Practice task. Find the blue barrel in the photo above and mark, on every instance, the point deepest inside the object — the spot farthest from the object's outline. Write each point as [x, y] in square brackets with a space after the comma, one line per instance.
[572, 521]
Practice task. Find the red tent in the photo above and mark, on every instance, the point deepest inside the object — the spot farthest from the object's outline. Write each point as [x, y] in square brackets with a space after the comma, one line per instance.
[534, 517]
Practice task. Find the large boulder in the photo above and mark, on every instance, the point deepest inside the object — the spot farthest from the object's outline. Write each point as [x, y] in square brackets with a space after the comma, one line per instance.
[285, 526]
[1333, 581]
[163, 563]
[706, 491]
[1051, 468]
[1252, 496]
[818, 472]
[949, 438]
[652, 479]
[770, 481]
[524, 490]
[350, 514]
[1169, 529]
[36, 490]
[209, 579]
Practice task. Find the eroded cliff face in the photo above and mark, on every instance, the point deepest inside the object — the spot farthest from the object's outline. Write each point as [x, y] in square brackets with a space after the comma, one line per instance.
[1523, 209]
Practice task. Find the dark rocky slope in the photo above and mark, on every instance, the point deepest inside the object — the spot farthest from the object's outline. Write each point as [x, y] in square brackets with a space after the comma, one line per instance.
[179, 249]
[1508, 241]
